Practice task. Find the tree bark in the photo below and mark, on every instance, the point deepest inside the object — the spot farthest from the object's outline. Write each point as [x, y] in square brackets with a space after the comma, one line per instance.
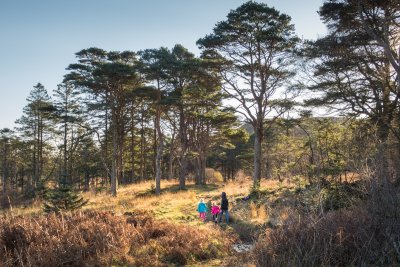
[258, 137]
[87, 174]
[106, 121]
[64, 175]
[184, 147]
[160, 144]
[114, 161]
[171, 157]
[203, 169]
[197, 166]
[142, 145]
[41, 162]
[132, 145]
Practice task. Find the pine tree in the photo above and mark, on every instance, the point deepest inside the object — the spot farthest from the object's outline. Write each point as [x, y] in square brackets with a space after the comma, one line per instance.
[69, 116]
[253, 49]
[63, 198]
[35, 125]
[111, 76]
[356, 66]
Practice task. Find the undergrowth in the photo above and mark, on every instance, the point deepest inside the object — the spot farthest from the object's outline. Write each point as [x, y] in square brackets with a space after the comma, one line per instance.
[340, 225]
[93, 238]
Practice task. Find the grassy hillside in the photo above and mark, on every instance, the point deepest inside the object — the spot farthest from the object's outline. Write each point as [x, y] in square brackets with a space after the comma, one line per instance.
[137, 228]
[288, 223]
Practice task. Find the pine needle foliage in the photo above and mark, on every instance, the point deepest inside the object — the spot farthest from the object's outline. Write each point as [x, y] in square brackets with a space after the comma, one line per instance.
[63, 198]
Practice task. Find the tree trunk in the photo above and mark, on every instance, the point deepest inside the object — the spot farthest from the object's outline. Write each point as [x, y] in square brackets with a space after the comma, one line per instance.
[87, 174]
[64, 168]
[203, 169]
[132, 146]
[118, 144]
[41, 162]
[154, 147]
[258, 134]
[106, 121]
[184, 146]
[171, 157]
[114, 161]
[35, 154]
[142, 145]
[396, 163]
[197, 166]
[120, 167]
[158, 164]
[160, 144]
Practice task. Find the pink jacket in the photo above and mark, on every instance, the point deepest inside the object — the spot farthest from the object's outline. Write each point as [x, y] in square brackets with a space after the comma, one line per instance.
[215, 210]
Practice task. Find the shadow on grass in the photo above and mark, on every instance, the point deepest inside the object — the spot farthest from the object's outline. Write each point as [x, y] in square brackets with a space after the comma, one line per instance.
[246, 231]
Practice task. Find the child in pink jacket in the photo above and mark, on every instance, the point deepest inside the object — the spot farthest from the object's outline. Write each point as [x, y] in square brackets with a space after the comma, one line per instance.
[215, 210]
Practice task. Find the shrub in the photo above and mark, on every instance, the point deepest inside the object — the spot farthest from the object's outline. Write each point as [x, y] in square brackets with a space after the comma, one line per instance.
[88, 238]
[218, 177]
[214, 176]
[101, 239]
[338, 196]
[340, 238]
[180, 244]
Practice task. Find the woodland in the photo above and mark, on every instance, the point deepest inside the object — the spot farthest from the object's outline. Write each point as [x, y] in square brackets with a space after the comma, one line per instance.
[303, 135]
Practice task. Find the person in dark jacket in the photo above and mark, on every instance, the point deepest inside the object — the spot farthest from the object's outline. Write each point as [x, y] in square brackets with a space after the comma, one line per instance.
[224, 208]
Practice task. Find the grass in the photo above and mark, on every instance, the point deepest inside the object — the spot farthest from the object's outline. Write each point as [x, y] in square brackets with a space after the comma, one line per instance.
[171, 213]
[172, 204]
[178, 206]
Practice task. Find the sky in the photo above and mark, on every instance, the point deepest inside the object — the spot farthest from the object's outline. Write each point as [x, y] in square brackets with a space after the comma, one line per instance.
[39, 39]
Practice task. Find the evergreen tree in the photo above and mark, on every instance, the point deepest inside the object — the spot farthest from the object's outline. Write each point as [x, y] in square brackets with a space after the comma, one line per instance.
[63, 198]
[355, 65]
[253, 50]
[154, 67]
[35, 126]
[111, 76]
[5, 150]
[69, 116]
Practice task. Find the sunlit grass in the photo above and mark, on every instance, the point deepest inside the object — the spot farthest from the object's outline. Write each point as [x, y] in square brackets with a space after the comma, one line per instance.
[36, 207]
[172, 204]
[178, 205]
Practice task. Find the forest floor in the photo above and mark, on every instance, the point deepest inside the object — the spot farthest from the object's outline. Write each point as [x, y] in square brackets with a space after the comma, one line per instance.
[250, 214]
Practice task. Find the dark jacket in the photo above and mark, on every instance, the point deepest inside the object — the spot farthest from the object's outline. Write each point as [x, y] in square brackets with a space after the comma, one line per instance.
[224, 202]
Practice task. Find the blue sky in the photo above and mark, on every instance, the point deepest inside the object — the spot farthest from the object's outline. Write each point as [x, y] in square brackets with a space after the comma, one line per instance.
[40, 37]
